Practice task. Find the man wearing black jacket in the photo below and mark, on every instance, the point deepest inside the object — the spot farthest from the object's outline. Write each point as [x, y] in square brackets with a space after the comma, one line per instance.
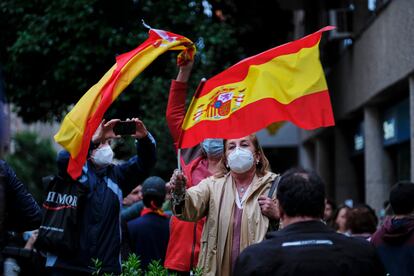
[305, 245]
[100, 221]
[18, 209]
[150, 232]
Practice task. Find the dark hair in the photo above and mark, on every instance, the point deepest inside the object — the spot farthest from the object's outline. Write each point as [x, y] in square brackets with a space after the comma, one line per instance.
[153, 188]
[158, 200]
[301, 193]
[332, 203]
[329, 219]
[401, 198]
[335, 215]
[361, 219]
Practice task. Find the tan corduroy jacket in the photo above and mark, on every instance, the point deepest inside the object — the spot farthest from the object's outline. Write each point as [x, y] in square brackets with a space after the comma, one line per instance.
[215, 199]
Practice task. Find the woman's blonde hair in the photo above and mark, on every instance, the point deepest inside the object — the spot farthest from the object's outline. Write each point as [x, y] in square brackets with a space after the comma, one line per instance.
[262, 167]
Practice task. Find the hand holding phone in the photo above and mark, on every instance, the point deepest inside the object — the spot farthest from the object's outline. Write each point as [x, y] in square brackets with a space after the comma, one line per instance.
[125, 128]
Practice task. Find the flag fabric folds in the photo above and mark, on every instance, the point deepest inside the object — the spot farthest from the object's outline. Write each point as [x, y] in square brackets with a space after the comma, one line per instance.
[81, 122]
[285, 83]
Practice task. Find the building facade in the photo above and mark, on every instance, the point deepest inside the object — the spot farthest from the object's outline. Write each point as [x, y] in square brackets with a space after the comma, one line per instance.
[369, 63]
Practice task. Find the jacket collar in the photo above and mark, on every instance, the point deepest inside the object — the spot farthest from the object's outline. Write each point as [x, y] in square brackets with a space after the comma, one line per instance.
[264, 179]
[257, 181]
[310, 226]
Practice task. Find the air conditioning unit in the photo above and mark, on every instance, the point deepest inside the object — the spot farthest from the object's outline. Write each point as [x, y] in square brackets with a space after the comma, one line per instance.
[341, 18]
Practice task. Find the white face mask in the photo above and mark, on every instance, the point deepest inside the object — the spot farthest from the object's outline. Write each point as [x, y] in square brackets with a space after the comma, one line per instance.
[240, 160]
[103, 156]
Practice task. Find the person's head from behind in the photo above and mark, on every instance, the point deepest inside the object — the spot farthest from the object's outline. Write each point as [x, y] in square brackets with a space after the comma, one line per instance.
[242, 155]
[361, 220]
[134, 196]
[62, 162]
[401, 198]
[301, 194]
[153, 192]
[213, 148]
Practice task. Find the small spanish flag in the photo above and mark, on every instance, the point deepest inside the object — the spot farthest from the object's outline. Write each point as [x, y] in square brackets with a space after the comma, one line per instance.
[286, 83]
[81, 122]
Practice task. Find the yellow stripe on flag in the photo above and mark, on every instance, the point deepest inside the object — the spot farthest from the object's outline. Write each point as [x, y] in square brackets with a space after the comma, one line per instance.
[145, 57]
[284, 78]
[74, 124]
[72, 128]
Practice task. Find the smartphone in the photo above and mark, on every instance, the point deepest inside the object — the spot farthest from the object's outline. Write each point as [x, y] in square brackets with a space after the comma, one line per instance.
[125, 128]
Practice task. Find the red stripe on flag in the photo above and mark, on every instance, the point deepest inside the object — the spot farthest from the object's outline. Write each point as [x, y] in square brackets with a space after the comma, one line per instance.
[238, 72]
[308, 112]
[75, 164]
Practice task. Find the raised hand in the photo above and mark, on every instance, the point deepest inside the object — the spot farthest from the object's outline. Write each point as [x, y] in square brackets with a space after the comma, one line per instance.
[141, 130]
[105, 131]
[178, 181]
[185, 72]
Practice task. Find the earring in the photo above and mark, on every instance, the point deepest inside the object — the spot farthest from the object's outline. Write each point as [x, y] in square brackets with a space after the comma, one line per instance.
[257, 161]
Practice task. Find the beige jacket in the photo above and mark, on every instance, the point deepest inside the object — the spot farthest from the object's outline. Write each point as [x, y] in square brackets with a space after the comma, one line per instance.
[215, 198]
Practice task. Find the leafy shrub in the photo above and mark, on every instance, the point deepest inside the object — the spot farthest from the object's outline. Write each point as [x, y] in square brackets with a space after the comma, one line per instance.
[132, 267]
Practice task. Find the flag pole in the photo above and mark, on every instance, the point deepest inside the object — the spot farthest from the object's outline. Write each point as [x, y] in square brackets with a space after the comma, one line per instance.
[198, 90]
[178, 159]
[200, 87]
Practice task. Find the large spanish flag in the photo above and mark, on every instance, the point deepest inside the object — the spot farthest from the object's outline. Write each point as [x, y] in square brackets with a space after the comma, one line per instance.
[286, 83]
[81, 122]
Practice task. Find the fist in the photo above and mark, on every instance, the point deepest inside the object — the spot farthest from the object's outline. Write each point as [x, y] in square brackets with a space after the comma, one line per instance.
[177, 181]
[268, 207]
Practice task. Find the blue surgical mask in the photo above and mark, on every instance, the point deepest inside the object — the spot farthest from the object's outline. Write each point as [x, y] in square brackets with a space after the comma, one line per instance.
[213, 147]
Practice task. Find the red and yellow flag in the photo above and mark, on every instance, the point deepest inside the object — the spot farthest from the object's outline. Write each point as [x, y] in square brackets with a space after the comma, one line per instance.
[286, 83]
[81, 122]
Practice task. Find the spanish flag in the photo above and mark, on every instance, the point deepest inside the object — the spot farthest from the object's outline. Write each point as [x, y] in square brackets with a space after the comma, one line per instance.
[81, 122]
[286, 83]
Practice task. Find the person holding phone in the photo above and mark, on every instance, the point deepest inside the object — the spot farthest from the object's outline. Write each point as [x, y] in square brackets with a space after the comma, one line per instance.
[100, 229]
[127, 127]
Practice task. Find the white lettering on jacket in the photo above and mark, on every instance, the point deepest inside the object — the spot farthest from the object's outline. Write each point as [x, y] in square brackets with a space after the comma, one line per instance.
[62, 199]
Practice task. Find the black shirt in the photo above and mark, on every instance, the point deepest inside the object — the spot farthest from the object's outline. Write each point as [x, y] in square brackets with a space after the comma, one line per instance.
[309, 248]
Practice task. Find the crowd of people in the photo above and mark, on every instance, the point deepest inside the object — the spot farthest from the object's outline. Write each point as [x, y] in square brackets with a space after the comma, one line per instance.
[218, 213]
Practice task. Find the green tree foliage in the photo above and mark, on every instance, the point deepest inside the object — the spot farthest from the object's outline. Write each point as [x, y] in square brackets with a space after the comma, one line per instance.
[52, 52]
[148, 95]
[33, 159]
[55, 50]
